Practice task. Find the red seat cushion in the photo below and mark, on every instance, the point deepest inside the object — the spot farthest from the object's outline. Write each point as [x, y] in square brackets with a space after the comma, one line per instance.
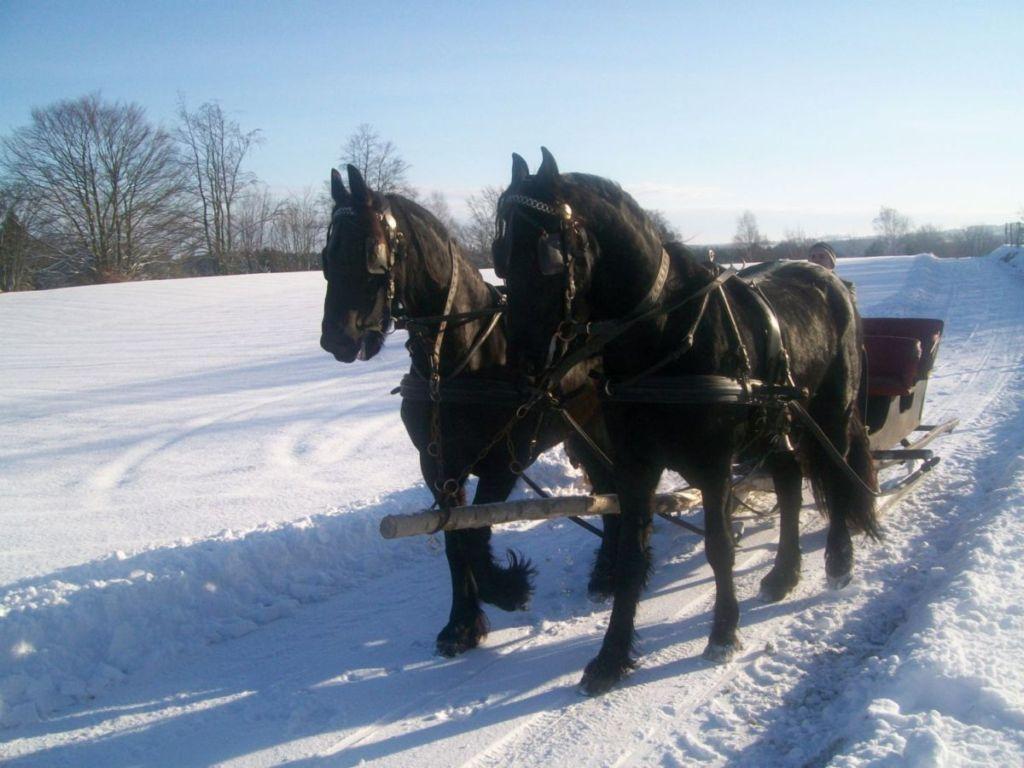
[926, 330]
[893, 364]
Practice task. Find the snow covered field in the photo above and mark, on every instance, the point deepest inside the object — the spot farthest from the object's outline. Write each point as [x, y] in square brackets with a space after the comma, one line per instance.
[191, 572]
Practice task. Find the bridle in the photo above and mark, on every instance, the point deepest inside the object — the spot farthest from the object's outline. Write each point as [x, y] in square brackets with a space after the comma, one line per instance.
[555, 255]
[380, 258]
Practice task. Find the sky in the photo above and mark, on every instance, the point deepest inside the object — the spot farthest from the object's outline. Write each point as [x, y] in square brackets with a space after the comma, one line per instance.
[810, 114]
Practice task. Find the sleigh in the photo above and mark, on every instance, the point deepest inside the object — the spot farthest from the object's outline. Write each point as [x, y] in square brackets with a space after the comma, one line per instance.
[899, 355]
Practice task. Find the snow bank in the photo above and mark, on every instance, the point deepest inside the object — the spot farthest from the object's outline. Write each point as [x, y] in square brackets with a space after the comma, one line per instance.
[65, 637]
[1009, 254]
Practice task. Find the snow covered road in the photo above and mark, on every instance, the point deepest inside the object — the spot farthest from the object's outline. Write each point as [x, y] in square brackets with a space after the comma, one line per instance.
[189, 493]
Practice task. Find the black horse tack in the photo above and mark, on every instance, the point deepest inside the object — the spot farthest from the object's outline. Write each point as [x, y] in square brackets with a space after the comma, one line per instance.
[386, 259]
[704, 334]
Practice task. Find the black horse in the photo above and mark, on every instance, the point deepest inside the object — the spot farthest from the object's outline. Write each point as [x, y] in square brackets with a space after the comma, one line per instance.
[686, 349]
[388, 259]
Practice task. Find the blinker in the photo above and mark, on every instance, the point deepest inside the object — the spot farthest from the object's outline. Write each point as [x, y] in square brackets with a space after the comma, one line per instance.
[378, 257]
[501, 248]
[550, 259]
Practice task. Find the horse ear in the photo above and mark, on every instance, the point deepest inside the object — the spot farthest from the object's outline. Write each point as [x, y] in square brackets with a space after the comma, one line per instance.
[548, 167]
[520, 170]
[338, 192]
[358, 186]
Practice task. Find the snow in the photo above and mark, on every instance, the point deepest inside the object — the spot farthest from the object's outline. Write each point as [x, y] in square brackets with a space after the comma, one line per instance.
[191, 574]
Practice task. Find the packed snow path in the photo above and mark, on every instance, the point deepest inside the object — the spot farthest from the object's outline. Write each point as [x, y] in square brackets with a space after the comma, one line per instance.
[141, 419]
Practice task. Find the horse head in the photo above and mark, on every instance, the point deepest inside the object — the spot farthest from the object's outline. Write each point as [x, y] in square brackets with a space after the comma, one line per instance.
[564, 244]
[359, 263]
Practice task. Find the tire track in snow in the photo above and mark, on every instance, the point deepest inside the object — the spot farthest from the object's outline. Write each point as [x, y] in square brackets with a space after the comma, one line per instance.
[116, 472]
[498, 742]
[555, 737]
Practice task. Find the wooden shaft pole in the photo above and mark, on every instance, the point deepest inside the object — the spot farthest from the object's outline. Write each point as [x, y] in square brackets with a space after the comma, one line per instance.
[481, 515]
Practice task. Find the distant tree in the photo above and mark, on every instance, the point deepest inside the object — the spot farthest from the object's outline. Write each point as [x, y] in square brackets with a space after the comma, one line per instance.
[927, 238]
[378, 160]
[977, 240]
[891, 226]
[793, 246]
[300, 226]
[437, 204]
[256, 213]
[15, 247]
[104, 182]
[667, 232]
[214, 149]
[478, 233]
[748, 238]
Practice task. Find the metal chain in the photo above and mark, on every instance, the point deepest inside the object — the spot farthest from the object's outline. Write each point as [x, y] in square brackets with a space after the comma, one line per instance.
[537, 205]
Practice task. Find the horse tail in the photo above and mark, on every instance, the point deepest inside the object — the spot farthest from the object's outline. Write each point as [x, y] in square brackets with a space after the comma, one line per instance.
[838, 494]
[862, 514]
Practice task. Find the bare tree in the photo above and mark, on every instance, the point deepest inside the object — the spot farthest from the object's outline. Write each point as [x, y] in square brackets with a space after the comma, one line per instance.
[378, 160]
[891, 227]
[794, 245]
[666, 231]
[213, 150]
[748, 236]
[15, 246]
[105, 182]
[927, 238]
[255, 215]
[478, 233]
[976, 241]
[437, 204]
[299, 227]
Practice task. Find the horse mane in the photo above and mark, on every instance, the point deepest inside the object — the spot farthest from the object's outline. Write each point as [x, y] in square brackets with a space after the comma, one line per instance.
[614, 215]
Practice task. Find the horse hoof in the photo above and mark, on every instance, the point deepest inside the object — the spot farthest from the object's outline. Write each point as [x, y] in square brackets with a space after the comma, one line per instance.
[458, 637]
[775, 587]
[840, 581]
[721, 653]
[599, 677]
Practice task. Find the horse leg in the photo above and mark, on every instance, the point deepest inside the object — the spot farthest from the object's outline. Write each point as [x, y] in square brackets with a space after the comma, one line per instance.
[508, 587]
[632, 565]
[785, 574]
[601, 481]
[467, 624]
[720, 548]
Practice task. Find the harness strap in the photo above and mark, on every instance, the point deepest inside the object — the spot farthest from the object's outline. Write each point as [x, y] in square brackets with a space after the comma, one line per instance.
[605, 331]
[449, 301]
[477, 343]
[469, 391]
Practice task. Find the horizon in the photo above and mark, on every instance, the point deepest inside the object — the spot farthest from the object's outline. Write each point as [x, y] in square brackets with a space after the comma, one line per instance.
[813, 118]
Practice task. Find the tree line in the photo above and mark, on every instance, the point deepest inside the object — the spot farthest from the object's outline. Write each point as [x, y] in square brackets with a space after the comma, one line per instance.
[894, 234]
[93, 191]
